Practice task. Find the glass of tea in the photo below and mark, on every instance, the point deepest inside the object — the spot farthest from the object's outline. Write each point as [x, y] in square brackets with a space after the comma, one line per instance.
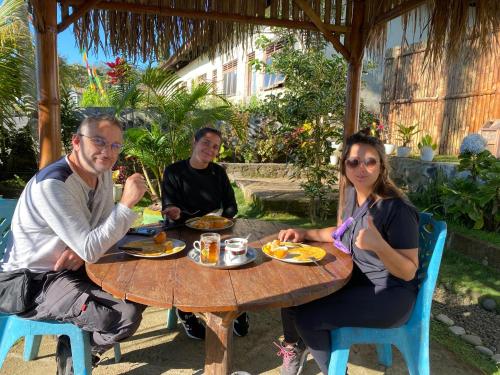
[209, 248]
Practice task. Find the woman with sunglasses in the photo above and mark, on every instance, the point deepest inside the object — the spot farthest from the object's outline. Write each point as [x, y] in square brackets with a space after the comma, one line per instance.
[378, 226]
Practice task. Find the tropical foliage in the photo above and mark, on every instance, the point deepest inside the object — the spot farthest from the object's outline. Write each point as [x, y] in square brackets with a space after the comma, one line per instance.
[171, 115]
[17, 88]
[308, 113]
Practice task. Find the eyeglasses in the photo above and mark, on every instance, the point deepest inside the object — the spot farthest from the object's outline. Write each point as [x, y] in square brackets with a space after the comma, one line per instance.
[339, 232]
[353, 163]
[102, 143]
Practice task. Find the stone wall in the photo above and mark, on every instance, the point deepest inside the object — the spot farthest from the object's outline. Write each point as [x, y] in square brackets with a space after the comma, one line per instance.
[417, 174]
[406, 172]
[257, 170]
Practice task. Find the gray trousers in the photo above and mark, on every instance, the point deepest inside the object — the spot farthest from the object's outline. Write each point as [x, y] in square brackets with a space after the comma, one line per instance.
[71, 297]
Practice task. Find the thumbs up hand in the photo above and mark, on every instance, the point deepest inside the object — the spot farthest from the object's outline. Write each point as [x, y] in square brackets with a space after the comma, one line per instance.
[369, 238]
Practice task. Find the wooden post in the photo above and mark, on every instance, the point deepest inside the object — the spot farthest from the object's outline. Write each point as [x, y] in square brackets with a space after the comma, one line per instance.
[355, 44]
[219, 342]
[351, 119]
[49, 120]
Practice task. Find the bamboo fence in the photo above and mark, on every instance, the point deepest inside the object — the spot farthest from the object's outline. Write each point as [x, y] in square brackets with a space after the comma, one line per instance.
[448, 101]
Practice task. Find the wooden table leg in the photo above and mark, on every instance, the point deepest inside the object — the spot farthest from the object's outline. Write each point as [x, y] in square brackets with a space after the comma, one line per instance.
[219, 342]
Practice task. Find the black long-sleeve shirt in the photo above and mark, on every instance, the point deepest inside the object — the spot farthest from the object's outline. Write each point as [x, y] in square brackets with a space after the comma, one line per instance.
[193, 189]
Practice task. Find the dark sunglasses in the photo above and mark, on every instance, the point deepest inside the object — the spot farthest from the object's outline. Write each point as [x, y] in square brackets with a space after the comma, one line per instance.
[353, 163]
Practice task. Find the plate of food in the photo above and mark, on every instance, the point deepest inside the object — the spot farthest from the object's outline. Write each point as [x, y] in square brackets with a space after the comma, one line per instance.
[293, 252]
[155, 247]
[209, 222]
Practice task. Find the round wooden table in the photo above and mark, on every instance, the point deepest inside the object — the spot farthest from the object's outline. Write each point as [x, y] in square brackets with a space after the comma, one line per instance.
[221, 295]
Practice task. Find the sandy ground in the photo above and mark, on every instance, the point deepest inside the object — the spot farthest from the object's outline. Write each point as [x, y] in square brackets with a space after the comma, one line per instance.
[153, 350]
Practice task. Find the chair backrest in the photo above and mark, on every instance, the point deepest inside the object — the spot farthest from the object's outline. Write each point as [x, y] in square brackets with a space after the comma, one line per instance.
[432, 236]
[7, 207]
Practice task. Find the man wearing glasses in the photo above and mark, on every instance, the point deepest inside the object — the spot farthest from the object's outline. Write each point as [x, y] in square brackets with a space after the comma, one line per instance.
[66, 217]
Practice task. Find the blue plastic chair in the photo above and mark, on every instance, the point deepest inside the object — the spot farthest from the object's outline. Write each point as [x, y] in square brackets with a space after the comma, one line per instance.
[412, 339]
[12, 327]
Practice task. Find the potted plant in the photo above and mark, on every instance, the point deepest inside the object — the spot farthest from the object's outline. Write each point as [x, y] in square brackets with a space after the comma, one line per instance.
[118, 176]
[337, 152]
[378, 130]
[405, 134]
[426, 147]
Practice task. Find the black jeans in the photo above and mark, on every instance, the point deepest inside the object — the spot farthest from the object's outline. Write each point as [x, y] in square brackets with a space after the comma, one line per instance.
[358, 304]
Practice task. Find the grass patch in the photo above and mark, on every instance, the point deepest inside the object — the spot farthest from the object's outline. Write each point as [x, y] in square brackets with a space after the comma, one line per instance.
[467, 277]
[491, 237]
[248, 210]
[466, 352]
[438, 158]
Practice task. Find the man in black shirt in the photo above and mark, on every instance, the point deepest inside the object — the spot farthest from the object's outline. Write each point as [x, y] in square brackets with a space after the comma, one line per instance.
[195, 187]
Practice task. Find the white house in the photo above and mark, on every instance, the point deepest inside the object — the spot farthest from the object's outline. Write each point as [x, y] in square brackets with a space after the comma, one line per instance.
[234, 76]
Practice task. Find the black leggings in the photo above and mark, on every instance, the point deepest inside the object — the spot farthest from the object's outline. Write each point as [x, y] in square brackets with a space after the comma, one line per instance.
[358, 304]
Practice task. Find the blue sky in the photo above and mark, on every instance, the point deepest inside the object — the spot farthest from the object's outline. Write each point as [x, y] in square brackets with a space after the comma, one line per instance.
[67, 48]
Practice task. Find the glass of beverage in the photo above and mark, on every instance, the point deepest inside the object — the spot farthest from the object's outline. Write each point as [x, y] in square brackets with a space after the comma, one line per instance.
[209, 248]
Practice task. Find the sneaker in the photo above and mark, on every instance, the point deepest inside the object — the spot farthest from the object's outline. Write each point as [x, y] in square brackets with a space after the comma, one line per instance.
[294, 357]
[96, 360]
[240, 325]
[192, 325]
[64, 360]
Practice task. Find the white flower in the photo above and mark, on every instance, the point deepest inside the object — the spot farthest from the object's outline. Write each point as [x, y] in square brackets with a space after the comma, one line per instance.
[473, 143]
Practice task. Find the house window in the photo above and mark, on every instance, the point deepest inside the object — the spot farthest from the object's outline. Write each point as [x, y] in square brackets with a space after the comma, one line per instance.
[229, 76]
[272, 80]
[202, 78]
[251, 75]
[214, 79]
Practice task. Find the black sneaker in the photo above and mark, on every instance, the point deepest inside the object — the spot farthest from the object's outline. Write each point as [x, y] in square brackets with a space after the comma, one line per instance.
[192, 325]
[240, 325]
[64, 360]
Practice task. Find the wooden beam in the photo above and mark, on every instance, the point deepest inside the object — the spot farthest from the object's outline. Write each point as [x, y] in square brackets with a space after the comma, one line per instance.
[324, 28]
[398, 10]
[49, 116]
[212, 16]
[79, 12]
[356, 47]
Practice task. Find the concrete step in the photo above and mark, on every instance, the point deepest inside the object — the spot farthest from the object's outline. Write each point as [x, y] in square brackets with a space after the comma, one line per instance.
[278, 195]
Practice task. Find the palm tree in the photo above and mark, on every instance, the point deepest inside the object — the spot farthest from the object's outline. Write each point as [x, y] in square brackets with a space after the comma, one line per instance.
[175, 114]
[17, 82]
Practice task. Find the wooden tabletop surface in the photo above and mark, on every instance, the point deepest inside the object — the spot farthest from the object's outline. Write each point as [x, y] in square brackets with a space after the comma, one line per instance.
[221, 294]
[178, 281]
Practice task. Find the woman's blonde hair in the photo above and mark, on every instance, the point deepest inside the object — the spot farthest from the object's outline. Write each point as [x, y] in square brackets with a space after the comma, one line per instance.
[384, 187]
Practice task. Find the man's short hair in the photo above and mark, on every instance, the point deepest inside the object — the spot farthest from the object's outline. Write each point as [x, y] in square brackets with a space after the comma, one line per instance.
[93, 121]
[200, 133]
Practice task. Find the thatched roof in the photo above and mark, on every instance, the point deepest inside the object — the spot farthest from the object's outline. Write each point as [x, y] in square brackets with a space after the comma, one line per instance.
[158, 29]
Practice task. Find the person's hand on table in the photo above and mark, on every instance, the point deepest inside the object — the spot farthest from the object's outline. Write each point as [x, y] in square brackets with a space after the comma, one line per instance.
[292, 235]
[134, 190]
[68, 260]
[172, 212]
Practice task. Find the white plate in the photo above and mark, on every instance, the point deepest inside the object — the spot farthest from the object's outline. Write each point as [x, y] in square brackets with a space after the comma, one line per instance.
[189, 223]
[178, 247]
[293, 256]
[251, 255]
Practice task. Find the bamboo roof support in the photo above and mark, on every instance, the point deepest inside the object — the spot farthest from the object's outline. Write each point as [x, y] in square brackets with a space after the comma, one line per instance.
[77, 13]
[355, 44]
[316, 20]
[49, 118]
[397, 11]
[213, 16]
